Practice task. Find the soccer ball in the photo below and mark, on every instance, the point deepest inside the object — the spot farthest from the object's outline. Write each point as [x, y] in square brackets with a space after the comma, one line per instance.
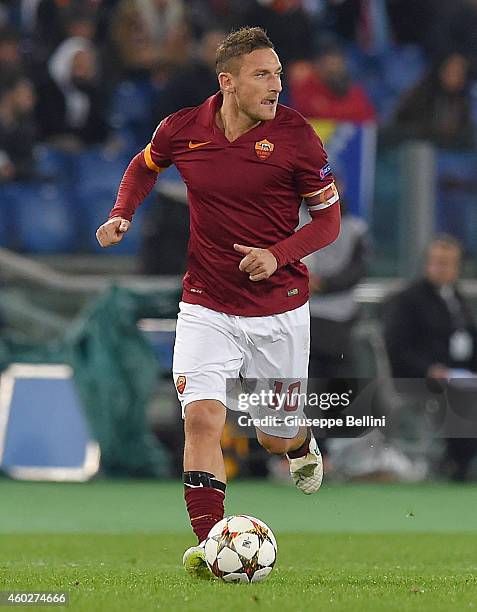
[241, 549]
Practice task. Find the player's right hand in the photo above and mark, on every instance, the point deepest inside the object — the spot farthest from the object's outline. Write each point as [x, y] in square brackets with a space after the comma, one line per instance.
[112, 231]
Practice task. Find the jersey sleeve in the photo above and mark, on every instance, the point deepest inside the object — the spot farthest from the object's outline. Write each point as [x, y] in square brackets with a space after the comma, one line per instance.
[313, 176]
[158, 154]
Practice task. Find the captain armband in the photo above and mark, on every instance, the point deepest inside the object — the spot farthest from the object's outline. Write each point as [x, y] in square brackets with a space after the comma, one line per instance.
[318, 200]
[149, 162]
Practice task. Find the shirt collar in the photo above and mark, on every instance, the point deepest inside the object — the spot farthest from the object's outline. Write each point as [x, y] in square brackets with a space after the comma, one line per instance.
[209, 109]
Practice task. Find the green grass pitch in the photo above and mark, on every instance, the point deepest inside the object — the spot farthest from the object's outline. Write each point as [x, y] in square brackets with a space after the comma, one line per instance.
[118, 546]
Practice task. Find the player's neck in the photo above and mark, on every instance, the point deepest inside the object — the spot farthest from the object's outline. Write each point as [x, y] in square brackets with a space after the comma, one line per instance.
[233, 122]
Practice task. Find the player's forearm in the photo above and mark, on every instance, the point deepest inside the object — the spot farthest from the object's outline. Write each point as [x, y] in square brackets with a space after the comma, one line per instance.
[322, 230]
[136, 184]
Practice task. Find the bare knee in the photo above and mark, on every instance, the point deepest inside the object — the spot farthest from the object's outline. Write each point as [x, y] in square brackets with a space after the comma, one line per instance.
[274, 445]
[204, 418]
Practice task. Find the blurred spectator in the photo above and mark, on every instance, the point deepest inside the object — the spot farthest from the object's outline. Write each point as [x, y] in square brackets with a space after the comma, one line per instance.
[79, 21]
[430, 331]
[428, 318]
[145, 32]
[194, 83]
[166, 22]
[52, 21]
[10, 54]
[17, 128]
[325, 89]
[133, 47]
[287, 24]
[71, 110]
[44, 24]
[438, 108]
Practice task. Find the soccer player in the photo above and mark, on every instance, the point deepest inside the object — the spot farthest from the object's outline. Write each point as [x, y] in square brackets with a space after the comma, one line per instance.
[248, 162]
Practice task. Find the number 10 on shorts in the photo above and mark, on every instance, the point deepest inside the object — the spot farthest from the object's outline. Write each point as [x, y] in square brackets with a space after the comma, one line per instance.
[288, 400]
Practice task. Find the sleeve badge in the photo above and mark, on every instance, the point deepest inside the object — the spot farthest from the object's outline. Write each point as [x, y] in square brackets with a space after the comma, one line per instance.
[181, 384]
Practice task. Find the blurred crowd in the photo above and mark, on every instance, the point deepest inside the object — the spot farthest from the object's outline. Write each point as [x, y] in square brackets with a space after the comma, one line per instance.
[75, 74]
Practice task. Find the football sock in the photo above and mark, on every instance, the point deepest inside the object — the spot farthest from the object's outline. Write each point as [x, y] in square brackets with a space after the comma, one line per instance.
[204, 497]
[302, 450]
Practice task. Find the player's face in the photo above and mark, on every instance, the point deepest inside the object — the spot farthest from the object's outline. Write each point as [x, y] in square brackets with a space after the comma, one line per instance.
[258, 84]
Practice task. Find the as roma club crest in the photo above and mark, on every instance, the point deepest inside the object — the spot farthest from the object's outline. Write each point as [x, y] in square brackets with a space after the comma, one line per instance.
[264, 148]
[181, 383]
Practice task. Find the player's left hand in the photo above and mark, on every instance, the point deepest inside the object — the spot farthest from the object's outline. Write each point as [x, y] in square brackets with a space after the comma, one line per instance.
[258, 263]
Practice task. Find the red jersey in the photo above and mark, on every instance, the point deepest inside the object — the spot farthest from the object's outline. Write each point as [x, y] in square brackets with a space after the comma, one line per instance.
[248, 192]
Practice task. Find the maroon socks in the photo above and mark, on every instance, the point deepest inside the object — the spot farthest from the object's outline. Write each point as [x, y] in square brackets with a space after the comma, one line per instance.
[204, 497]
[303, 449]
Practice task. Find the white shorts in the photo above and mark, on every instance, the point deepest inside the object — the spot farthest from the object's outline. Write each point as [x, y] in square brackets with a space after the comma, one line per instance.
[212, 348]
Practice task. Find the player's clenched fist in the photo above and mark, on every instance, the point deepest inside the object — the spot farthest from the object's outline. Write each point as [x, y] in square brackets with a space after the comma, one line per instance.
[112, 231]
[258, 263]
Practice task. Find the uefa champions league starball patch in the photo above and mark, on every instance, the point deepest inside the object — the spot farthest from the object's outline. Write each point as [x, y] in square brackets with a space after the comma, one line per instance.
[325, 171]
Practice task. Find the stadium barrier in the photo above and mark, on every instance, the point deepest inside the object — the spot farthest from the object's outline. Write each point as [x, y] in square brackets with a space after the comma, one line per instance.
[43, 431]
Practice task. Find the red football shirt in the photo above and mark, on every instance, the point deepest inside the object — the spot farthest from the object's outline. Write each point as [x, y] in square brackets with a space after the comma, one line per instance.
[248, 192]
